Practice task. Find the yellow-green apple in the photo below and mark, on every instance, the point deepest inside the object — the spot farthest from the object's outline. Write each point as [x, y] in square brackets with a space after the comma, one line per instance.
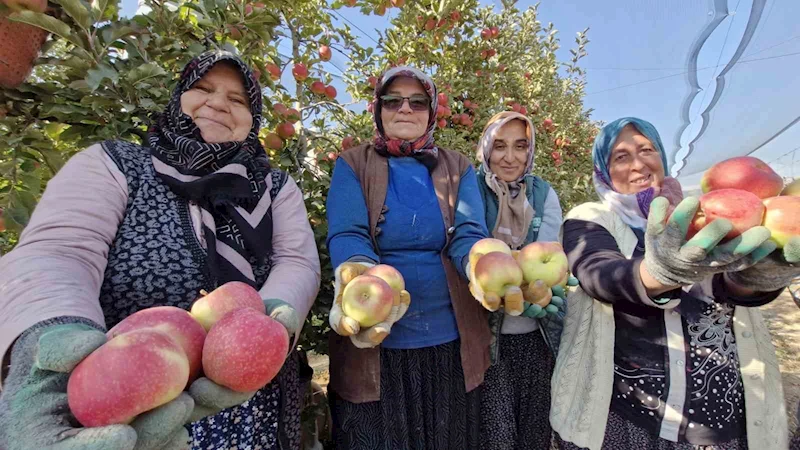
[496, 272]
[744, 209]
[537, 293]
[484, 246]
[544, 261]
[367, 299]
[233, 295]
[130, 374]
[743, 172]
[177, 323]
[245, 350]
[782, 218]
[792, 188]
[389, 274]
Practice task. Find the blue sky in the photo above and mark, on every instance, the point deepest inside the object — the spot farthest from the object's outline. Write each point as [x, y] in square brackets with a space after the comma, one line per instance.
[641, 59]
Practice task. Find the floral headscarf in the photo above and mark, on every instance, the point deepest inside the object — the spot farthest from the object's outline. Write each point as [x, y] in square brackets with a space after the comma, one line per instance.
[632, 208]
[423, 148]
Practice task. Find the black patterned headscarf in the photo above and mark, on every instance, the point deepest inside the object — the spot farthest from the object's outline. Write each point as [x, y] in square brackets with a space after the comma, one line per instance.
[227, 179]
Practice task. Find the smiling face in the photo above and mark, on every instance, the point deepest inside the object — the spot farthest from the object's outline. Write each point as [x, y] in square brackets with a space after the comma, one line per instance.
[509, 156]
[218, 105]
[635, 164]
[405, 123]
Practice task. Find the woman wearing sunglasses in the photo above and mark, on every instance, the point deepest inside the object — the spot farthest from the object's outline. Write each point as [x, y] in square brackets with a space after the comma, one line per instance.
[412, 381]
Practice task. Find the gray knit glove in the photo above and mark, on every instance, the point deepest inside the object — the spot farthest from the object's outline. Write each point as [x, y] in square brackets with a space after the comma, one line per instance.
[34, 412]
[673, 261]
[773, 272]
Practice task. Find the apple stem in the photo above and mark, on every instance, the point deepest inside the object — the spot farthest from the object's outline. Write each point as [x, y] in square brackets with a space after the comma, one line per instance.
[203, 292]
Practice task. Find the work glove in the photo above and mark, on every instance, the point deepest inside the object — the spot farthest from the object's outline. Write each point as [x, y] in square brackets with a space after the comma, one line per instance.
[558, 295]
[286, 315]
[774, 272]
[34, 411]
[512, 302]
[673, 261]
[347, 326]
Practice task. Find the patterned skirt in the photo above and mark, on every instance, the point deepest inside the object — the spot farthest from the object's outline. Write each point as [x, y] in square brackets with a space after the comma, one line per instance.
[515, 401]
[622, 434]
[269, 420]
[423, 405]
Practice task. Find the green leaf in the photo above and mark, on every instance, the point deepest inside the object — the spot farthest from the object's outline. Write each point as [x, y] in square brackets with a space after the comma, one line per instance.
[145, 71]
[18, 215]
[95, 76]
[78, 12]
[98, 8]
[33, 184]
[47, 23]
[27, 199]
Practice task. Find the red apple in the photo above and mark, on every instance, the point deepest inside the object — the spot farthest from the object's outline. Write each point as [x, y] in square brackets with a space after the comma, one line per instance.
[274, 71]
[495, 272]
[231, 296]
[285, 130]
[495, 32]
[443, 100]
[177, 323]
[367, 299]
[332, 156]
[318, 87]
[248, 9]
[380, 10]
[792, 188]
[441, 123]
[350, 3]
[300, 72]
[486, 34]
[537, 293]
[398, 3]
[324, 53]
[245, 350]
[455, 16]
[743, 172]
[348, 142]
[280, 109]
[292, 115]
[273, 141]
[523, 111]
[330, 92]
[516, 107]
[130, 374]
[544, 261]
[372, 81]
[782, 218]
[430, 24]
[547, 123]
[744, 209]
[528, 75]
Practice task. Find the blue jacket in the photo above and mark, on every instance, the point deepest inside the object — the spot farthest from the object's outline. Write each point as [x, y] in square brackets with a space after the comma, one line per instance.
[412, 238]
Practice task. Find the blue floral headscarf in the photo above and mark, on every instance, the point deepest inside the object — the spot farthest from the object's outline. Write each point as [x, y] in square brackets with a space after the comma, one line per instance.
[632, 208]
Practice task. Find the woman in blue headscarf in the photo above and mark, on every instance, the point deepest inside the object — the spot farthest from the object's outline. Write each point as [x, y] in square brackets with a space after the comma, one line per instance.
[663, 345]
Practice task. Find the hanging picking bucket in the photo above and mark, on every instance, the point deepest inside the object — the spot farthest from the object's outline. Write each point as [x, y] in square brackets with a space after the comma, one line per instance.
[19, 44]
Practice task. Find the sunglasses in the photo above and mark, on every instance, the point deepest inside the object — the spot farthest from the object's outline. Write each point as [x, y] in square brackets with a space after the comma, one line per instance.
[415, 102]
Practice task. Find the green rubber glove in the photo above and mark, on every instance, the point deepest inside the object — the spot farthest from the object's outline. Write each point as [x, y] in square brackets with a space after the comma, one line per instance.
[774, 272]
[286, 315]
[673, 261]
[34, 412]
[210, 398]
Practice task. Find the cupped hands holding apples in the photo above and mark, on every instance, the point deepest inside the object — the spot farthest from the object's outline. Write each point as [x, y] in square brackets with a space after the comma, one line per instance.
[529, 282]
[745, 225]
[368, 300]
[136, 386]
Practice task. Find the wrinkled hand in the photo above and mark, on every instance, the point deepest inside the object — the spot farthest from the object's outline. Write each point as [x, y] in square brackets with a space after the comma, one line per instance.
[774, 272]
[286, 315]
[512, 301]
[34, 412]
[347, 326]
[672, 261]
